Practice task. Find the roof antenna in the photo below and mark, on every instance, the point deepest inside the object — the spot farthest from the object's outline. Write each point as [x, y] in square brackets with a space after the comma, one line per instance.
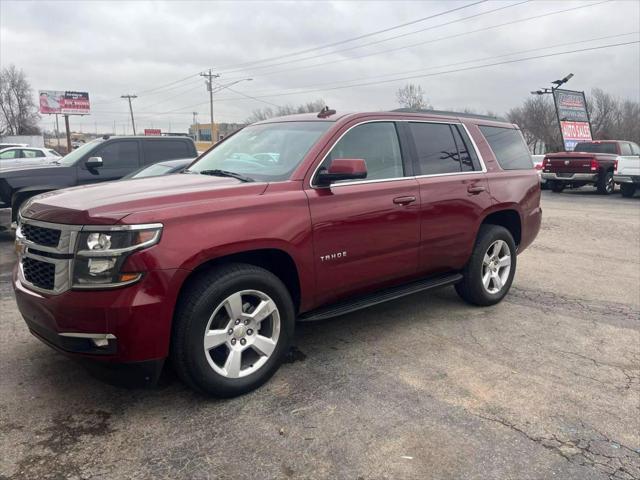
[326, 112]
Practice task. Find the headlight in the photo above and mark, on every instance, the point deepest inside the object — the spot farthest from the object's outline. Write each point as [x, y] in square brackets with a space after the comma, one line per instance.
[101, 253]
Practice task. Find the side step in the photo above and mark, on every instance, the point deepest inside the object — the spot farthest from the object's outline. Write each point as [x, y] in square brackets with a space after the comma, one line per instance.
[381, 296]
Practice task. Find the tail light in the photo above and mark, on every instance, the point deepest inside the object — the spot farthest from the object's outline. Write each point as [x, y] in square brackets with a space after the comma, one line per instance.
[594, 165]
[538, 166]
[615, 166]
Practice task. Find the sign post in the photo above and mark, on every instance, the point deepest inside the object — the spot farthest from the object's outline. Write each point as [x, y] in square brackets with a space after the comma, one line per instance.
[573, 117]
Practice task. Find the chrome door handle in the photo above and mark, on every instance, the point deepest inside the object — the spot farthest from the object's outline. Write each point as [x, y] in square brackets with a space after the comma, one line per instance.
[476, 190]
[404, 200]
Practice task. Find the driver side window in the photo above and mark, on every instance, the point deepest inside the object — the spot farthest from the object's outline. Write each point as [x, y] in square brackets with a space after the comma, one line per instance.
[377, 143]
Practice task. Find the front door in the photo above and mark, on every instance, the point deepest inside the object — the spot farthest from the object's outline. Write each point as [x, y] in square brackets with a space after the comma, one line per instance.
[365, 233]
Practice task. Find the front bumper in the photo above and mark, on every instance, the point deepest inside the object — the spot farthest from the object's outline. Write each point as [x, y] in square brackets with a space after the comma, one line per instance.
[626, 179]
[128, 324]
[571, 177]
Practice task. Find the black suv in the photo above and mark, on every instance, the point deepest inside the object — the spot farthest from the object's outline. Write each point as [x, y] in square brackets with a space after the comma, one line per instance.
[103, 159]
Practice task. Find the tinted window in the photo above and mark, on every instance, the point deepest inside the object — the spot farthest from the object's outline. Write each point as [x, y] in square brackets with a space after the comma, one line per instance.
[158, 150]
[119, 154]
[508, 146]
[464, 151]
[376, 143]
[596, 148]
[625, 149]
[437, 151]
[635, 149]
[10, 154]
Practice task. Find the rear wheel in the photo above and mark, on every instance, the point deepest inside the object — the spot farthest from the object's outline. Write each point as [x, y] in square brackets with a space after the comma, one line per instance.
[556, 186]
[606, 185]
[627, 189]
[489, 273]
[232, 330]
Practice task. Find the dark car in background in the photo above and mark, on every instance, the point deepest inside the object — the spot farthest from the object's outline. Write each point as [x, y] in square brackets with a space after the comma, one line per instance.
[101, 160]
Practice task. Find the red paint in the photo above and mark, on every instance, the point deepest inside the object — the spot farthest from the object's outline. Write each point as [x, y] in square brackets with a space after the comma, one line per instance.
[343, 240]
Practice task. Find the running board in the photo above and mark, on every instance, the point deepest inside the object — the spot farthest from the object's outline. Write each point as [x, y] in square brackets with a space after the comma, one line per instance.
[380, 296]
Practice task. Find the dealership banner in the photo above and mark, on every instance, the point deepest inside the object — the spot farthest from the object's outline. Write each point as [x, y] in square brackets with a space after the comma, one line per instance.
[152, 131]
[571, 108]
[66, 103]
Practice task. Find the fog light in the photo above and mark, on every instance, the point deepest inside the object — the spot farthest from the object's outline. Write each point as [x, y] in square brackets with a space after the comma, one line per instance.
[100, 342]
[100, 265]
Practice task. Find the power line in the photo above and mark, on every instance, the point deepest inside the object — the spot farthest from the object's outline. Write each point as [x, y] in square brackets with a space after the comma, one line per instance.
[352, 39]
[469, 32]
[412, 77]
[376, 42]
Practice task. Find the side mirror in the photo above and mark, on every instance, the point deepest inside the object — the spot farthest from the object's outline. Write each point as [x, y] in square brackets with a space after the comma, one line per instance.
[93, 162]
[342, 169]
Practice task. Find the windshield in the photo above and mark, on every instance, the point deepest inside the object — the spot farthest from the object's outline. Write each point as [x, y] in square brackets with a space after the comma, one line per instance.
[596, 148]
[78, 153]
[268, 152]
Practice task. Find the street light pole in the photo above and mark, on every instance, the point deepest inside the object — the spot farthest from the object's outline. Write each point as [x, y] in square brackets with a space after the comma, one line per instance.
[129, 97]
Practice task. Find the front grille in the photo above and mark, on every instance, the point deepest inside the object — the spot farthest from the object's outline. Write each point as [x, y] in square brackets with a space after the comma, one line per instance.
[38, 273]
[47, 237]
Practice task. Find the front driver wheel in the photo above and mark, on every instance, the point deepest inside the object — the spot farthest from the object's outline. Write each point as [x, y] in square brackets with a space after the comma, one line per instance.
[232, 329]
[489, 273]
[627, 189]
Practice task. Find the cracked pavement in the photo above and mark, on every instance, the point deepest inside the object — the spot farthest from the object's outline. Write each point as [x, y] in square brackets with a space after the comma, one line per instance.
[544, 385]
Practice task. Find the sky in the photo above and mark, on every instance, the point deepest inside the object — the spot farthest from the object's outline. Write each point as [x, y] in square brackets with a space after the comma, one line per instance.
[354, 55]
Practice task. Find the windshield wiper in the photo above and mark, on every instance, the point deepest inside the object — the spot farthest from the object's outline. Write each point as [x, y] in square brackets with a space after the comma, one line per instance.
[227, 173]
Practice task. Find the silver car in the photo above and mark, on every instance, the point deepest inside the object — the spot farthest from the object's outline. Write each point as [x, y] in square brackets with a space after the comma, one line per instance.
[19, 156]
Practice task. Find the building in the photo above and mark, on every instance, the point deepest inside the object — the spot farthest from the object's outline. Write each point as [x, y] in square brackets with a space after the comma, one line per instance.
[202, 131]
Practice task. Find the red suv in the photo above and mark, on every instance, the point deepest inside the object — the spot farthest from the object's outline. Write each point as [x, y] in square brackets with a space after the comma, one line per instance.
[303, 217]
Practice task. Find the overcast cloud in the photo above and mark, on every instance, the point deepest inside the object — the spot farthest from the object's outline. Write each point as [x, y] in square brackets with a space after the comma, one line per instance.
[114, 48]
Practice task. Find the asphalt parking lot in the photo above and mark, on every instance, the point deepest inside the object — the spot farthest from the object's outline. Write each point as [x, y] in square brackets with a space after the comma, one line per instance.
[544, 385]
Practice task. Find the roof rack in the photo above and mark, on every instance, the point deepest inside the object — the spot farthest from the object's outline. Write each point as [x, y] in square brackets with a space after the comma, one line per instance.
[451, 114]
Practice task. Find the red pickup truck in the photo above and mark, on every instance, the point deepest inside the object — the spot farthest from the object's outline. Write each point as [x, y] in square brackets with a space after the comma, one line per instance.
[298, 218]
[589, 163]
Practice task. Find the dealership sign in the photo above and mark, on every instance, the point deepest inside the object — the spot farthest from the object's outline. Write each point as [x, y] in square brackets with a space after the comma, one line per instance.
[571, 108]
[152, 131]
[66, 103]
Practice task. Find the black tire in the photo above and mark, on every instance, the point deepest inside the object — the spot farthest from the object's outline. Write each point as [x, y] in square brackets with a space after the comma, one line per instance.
[606, 185]
[471, 288]
[627, 189]
[556, 186]
[200, 299]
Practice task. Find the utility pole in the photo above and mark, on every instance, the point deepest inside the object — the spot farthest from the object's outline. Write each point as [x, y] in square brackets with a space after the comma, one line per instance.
[195, 125]
[57, 131]
[209, 82]
[66, 126]
[129, 97]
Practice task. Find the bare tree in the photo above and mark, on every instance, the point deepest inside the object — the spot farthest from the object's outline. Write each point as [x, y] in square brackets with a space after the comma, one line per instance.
[18, 112]
[411, 96]
[268, 112]
[539, 124]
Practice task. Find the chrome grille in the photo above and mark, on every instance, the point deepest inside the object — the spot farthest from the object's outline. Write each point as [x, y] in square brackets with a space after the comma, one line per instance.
[41, 235]
[39, 273]
[45, 254]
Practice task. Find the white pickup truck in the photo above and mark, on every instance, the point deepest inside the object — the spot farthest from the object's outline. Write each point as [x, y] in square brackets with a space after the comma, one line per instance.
[627, 170]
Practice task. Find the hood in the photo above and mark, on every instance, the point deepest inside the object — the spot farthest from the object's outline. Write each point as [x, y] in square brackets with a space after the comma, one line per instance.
[109, 202]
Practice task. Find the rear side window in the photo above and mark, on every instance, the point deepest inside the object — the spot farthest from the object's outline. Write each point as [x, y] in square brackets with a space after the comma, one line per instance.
[508, 146]
[441, 149]
[119, 154]
[635, 150]
[159, 150]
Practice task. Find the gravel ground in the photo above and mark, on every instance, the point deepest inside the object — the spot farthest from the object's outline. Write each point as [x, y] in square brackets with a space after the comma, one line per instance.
[544, 385]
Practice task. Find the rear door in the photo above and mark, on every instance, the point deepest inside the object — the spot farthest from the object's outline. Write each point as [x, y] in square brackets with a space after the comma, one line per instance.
[366, 232]
[453, 194]
[119, 158]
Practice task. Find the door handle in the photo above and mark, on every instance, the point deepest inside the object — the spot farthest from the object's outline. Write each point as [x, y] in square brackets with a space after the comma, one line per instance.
[404, 200]
[474, 190]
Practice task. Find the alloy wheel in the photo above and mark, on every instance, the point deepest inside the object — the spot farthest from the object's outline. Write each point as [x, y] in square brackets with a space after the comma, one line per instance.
[242, 333]
[496, 266]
